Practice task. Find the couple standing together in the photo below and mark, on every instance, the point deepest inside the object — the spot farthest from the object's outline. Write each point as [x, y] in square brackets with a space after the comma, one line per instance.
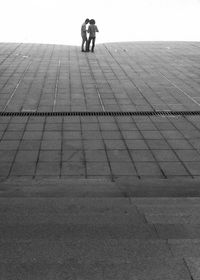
[92, 29]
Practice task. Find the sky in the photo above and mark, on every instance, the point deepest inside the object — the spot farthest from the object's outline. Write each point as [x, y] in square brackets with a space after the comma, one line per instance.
[59, 21]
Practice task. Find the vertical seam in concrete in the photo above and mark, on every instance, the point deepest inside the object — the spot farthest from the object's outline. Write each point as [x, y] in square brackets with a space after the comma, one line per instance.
[188, 269]
[56, 85]
[83, 150]
[186, 94]
[105, 149]
[61, 150]
[80, 73]
[127, 148]
[146, 142]
[45, 76]
[27, 93]
[39, 150]
[16, 87]
[129, 78]
[96, 86]
[175, 150]
[16, 151]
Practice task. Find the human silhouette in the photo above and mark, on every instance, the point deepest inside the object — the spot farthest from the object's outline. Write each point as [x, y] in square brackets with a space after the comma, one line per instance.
[84, 35]
[92, 29]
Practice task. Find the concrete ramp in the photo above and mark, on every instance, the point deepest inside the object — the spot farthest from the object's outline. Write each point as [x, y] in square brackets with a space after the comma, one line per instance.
[97, 229]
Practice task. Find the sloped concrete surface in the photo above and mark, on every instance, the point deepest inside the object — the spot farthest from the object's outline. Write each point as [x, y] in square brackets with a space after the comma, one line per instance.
[99, 236]
[99, 197]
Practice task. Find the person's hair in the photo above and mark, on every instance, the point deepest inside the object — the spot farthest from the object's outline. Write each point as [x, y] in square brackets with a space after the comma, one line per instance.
[87, 20]
[92, 21]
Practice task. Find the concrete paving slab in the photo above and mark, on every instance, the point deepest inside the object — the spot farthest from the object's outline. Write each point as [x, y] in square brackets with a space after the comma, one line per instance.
[83, 250]
[193, 266]
[132, 229]
[140, 269]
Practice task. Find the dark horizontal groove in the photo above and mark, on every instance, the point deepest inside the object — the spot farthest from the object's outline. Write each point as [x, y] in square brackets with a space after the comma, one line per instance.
[141, 113]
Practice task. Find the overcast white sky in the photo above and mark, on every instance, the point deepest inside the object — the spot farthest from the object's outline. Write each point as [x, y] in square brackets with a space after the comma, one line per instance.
[59, 21]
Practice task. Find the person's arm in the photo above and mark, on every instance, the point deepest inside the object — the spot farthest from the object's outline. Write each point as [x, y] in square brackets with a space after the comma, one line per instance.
[83, 28]
[97, 30]
[88, 29]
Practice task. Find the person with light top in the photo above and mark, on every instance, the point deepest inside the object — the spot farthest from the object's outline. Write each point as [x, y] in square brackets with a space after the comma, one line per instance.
[92, 29]
[84, 35]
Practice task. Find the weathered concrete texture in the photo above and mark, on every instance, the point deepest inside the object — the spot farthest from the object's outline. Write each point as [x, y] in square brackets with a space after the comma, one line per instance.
[53, 229]
[140, 219]
[96, 147]
[118, 77]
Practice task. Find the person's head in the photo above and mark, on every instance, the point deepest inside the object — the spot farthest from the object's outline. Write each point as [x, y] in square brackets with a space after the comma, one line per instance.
[87, 20]
[92, 21]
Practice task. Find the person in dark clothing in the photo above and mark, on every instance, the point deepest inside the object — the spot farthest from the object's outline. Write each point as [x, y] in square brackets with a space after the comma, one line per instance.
[92, 29]
[84, 34]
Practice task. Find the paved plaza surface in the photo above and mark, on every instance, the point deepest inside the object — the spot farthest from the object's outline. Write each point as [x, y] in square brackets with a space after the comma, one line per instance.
[117, 77]
[120, 77]
[86, 190]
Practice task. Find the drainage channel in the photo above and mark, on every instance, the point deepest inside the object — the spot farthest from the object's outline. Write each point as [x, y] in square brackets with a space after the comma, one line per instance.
[141, 113]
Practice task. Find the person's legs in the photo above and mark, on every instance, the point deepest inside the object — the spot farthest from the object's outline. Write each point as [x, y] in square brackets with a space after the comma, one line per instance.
[88, 44]
[84, 41]
[93, 43]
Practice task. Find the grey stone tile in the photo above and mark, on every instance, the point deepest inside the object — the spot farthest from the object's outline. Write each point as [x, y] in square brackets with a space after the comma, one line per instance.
[127, 126]
[118, 155]
[48, 155]
[158, 144]
[35, 126]
[136, 144]
[29, 145]
[32, 135]
[25, 156]
[91, 135]
[52, 135]
[5, 168]
[148, 168]
[108, 126]
[48, 168]
[188, 155]
[131, 134]
[194, 266]
[95, 155]
[93, 144]
[23, 168]
[73, 168]
[14, 126]
[97, 168]
[122, 168]
[111, 134]
[185, 247]
[165, 155]
[142, 155]
[9, 144]
[173, 168]
[73, 155]
[114, 144]
[90, 126]
[172, 134]
[147, 134]
[51, 145]
[7, 156]
[177, 231]
[193, 167]
[179, 144]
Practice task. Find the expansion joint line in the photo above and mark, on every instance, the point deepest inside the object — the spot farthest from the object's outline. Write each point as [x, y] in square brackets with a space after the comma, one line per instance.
[56, 86]
[100, 99]
[98, 93]
[185, 93]
[129, 77]
[18, 84]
